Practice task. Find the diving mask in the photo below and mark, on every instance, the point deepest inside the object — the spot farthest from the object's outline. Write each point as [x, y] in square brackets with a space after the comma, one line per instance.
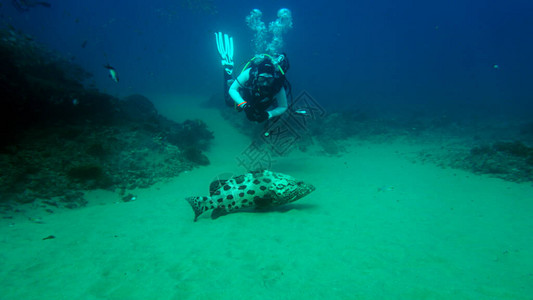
[265, 79]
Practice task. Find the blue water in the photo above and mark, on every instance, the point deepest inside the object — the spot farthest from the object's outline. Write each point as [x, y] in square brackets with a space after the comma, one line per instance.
[381, 221]
[467, 58]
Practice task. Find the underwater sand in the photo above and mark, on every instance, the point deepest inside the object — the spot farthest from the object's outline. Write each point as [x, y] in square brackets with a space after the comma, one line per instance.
[378, 226]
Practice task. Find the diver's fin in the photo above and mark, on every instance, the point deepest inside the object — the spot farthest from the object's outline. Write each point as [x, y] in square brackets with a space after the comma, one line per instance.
[225, 49]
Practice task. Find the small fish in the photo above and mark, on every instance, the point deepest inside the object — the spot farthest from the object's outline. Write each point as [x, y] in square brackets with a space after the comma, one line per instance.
[84, 44]
[112, 73]
[259, 189]
[386, 188]
[303, 112]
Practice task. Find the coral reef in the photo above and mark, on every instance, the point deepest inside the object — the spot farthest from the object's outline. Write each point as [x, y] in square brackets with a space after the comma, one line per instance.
[511, 161]
[60, 138]
[508, 160]
[468, 146]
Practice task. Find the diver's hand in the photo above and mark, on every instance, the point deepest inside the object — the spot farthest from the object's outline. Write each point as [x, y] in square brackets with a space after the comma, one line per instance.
[249, 110]
[240, 107]
[255, 115]
[262, 116]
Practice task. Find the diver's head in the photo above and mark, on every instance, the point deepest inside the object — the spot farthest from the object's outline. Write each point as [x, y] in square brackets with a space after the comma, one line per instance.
[272, 64]
[266, 72]
[270, 68]
[265, 79]
[266, 66]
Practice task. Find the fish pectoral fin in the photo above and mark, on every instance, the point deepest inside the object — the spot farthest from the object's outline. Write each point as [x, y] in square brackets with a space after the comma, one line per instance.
[218, 212]
[215, 185]
[263, 202]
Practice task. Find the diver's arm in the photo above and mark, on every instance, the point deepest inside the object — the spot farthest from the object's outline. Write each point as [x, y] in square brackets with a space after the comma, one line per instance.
[236, 85]
[281, 98]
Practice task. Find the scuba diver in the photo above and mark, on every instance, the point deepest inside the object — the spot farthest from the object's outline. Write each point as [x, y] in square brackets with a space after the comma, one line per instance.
[261, 89]
[263, 85]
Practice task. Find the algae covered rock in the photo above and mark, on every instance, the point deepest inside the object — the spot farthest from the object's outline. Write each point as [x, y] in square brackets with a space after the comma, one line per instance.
[511, 161]
[60, 138]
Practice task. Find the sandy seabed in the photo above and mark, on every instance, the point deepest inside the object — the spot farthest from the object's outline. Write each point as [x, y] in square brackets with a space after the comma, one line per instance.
[378, 226]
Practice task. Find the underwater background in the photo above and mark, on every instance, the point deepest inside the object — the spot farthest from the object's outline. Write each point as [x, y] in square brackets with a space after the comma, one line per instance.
[460, 58]
[416, 143]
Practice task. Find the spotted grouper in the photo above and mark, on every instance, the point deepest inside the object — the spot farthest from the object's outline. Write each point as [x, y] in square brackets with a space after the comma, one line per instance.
[259, 189]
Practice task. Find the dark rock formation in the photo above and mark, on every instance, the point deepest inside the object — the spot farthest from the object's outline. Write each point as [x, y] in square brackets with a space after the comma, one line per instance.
[59, 138]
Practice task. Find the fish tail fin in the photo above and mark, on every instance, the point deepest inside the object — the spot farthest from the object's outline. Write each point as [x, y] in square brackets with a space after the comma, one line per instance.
[197, 204]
